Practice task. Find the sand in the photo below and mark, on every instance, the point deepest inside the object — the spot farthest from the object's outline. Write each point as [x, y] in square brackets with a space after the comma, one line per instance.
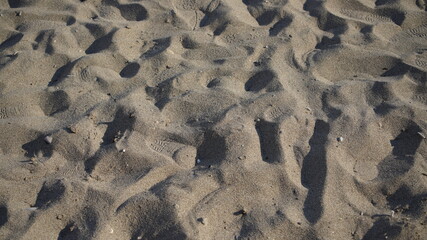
[222, 119]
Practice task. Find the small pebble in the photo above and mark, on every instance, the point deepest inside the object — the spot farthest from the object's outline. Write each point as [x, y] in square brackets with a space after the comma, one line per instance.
[73, 129]
[48, 139]
[123, 150]
[340, 139]
[198, 161]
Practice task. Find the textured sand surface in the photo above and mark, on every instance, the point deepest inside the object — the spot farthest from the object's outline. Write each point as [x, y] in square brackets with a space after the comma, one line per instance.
[222, 119]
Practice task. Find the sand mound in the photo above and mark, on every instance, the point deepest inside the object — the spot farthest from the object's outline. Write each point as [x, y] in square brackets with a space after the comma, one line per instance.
[185, 119]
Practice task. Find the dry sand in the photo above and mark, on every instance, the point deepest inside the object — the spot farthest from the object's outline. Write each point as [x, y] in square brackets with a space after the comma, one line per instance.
[223, 119]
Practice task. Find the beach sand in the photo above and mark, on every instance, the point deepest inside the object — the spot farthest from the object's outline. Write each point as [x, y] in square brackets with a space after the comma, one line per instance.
[222, 119]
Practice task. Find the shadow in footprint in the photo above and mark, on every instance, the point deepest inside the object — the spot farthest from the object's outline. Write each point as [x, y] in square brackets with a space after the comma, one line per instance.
[328, 42]
[50, 193]
[397, 70]
[313, 172]
[122, 122]
[263, 80]
[130, 70]
[212, 150]
[404, 198]
[133, 12]
[37, 147]
[101, 43]
[59, 73]
[280, 25]
[266, 17]
[130, 12]
[4, 217]
[14, 3]
[11, 41]
[383, 229]
[269, 138]
[384, 108]
[401, 159]
[160, 45]
[54, 102]
[326, 21]
[70, 232]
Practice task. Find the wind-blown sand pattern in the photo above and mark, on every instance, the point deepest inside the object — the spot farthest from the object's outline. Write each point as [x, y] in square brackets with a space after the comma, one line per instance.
[185, 119]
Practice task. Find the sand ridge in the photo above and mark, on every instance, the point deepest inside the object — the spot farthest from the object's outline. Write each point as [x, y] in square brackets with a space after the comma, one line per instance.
[213, 119]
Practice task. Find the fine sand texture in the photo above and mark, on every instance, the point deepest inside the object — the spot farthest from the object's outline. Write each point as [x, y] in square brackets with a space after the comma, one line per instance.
[213, 119]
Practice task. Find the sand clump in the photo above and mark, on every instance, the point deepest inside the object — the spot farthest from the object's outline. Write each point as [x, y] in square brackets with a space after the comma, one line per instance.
[213, 119]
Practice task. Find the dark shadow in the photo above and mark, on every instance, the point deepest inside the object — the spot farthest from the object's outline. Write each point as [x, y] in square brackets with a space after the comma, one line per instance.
[409, 203]
[95, 30]
[398, 18]
[280, 25]
[331, 112]
[37, 146]
[130, 70]
[327, 42]
[38, 40]
[383, 2]
[4, 217]
[401, 160]
[14, 39]
[214, 83]
[59, 73]
[219, 61]
[121, 123]
[14, 3]
[71, 20]
[395, 15]
[90, 217]
[101, 43]
[383, 229]
[70, 232]
[384, 108]
[160, 45]
[418, 76]
[50, 193]
[7, 59]
[213, 149]
[314, 170]
[161, 92]
[219, 30]
[325, 20]
[54, 102]
[269, 138]
[266, 17]
[397, 70]
[259, 81]
[133, 12]
[407, 142]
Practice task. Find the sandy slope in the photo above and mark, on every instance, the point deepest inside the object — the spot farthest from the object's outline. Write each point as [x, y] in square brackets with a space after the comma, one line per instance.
[222, 119]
